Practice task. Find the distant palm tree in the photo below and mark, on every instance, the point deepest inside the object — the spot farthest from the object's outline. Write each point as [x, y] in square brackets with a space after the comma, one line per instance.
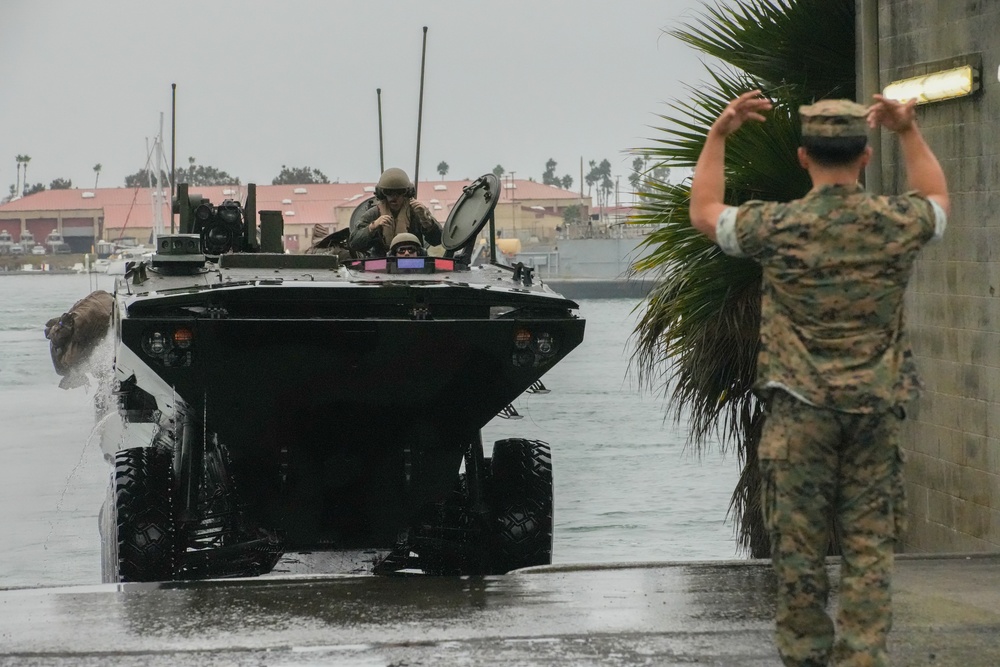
[21, 186]
[17, 184]
[25, 159]
[697, 338]
[97, 174]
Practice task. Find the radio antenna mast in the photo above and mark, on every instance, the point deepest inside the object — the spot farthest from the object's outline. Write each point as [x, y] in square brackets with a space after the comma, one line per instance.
[173, 151]
[420, 113]
[381, 155]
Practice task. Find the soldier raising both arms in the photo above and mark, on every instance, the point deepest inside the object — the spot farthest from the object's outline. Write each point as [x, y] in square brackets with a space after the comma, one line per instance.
[835, 367]
[397, 212]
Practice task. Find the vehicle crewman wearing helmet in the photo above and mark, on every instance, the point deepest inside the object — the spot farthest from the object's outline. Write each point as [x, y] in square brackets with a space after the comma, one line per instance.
[397, 212]
[406, 245]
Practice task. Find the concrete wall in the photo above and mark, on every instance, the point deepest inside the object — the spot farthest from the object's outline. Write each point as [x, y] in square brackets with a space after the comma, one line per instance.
[953, 436]
[584, 258]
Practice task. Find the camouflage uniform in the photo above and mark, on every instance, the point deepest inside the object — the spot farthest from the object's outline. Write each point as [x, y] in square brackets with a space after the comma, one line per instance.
[421, 223]
[836, 368]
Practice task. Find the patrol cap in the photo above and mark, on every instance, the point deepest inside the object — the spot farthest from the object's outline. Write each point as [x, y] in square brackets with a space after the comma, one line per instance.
[834, 118]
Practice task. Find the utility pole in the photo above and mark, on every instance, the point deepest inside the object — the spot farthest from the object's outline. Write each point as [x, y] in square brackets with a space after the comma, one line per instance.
[513, 202]
[618, 212]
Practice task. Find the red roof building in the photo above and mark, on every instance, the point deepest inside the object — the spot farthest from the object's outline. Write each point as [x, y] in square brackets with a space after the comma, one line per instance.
[526, 209]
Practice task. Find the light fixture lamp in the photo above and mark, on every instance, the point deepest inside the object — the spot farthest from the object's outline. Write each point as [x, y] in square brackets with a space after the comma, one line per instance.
[958, 77]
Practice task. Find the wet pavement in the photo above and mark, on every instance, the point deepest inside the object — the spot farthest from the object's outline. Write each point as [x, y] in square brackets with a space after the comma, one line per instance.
[714, 613]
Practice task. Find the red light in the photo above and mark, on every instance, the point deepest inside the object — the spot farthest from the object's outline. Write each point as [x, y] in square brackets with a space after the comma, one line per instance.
[522, 338]
[183, 338]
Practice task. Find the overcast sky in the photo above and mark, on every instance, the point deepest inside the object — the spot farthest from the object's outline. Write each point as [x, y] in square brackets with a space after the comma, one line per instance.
[293, 82]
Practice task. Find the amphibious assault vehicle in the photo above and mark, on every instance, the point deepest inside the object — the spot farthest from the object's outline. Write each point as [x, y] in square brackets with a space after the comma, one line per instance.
[274, 403]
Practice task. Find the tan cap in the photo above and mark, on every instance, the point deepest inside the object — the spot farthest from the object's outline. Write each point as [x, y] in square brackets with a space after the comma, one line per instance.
[834, 118]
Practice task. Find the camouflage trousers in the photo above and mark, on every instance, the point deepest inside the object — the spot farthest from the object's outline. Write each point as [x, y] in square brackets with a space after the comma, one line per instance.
[822, 470]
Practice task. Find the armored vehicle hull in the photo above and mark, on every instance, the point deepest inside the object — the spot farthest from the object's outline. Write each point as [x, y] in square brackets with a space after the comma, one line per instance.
[272, 402]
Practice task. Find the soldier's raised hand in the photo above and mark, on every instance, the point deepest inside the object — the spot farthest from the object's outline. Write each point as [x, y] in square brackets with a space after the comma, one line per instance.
[892, 115]
[748, 106]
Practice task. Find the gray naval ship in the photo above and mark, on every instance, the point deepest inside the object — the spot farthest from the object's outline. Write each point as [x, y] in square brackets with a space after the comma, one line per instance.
[268, 403]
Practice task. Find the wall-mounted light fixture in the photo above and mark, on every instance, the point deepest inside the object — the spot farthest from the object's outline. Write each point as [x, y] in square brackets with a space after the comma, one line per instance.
[937, 85]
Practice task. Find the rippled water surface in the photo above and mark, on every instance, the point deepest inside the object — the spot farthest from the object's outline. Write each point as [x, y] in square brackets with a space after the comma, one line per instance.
[627, 489]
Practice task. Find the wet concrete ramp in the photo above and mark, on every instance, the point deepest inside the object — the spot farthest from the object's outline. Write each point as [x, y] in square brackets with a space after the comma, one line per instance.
[947, 613]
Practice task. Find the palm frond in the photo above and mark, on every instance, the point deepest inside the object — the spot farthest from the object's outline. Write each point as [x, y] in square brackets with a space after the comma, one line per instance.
[797, 43]
[698, 335]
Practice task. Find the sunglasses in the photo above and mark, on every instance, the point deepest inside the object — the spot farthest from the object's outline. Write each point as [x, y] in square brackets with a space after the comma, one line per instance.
[407, 250]
[394, 193]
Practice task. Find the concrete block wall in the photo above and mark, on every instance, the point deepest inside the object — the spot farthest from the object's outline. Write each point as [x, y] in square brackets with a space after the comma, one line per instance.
[952, 437]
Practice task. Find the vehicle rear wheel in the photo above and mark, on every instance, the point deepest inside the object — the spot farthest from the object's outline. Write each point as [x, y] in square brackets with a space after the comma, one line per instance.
[521, 498]
[139, 541]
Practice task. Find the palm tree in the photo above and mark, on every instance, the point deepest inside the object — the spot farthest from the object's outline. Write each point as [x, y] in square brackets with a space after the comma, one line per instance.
[697, 338]
[97, 174]
[22, 182]
[25, 159]
[17, 184]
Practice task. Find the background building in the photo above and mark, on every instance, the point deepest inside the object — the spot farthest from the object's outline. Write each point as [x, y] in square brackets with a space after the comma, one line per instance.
[527, 210]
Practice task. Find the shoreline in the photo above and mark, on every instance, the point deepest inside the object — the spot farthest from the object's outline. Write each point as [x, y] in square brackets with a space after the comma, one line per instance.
[56, 263]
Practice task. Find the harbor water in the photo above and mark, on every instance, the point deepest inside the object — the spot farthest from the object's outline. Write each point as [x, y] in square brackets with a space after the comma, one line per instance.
[627, 485]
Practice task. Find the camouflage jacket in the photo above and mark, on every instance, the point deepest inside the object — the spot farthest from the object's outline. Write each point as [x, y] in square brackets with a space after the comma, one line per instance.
[421, 223]
[835, 268]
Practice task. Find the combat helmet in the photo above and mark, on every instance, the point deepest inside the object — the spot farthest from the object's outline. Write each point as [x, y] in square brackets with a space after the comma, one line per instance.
[405, 238]
[394, 178]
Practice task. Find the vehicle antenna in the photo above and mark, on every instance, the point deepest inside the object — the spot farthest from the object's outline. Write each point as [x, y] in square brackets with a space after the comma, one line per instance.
[173, 151]
[381, 156]
[420, 112]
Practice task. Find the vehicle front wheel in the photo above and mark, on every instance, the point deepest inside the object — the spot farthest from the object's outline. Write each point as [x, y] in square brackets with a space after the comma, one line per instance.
[138, 533]
[521, 490]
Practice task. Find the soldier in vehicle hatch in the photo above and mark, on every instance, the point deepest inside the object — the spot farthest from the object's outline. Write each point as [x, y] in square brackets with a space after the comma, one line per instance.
[835, 367]
[406, 245]
[397, 212]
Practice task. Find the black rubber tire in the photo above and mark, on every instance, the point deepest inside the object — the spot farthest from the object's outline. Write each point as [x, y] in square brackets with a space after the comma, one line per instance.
[521, 499]
[145, 531]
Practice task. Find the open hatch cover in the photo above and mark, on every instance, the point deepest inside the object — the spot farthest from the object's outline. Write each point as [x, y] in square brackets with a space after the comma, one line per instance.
[471, 212]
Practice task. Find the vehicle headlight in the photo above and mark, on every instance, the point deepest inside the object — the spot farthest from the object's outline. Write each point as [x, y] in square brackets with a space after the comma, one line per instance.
[155, 344]
[172, 347]
[533, 349]
[545, 345]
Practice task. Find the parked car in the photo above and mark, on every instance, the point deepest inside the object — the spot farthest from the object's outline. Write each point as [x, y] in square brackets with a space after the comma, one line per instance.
[38, 250]
[17, 249]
